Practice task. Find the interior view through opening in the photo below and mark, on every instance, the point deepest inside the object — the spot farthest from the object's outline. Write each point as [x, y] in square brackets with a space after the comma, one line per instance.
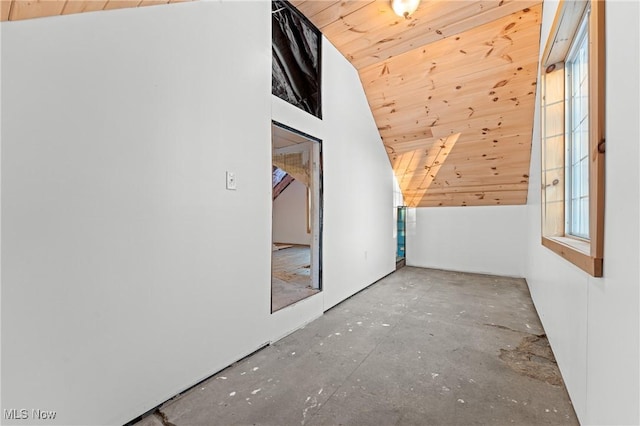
[401, 233]
[296, 217]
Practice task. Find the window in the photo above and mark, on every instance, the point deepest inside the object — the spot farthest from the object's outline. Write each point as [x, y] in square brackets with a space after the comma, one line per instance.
[572, 119]
[577, 167]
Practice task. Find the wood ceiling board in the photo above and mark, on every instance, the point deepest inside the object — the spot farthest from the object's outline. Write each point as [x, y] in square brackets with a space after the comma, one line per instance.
[377, 24]
[475, 199]
[386, 54]
[478, 128]
[337, 11]
[409, 162]
[72, 7]
[418, 161]
[445, 191]
[477, 188]
[421, 154]
[479, 198]
[448, 192]
[421, 147]
[500, 144]
[29, 9]
[121, 4]
[26, 9]
[462, 176]
[428, 118]
[312, 8]
[474, 148]
[389, 52]
[508, 151]
[503, 54]
[447, 178]
[152, 2]
[486, 105]
[434, 158]
[424, 159]
[507, 29]
[502, 148]
[492, 156]
[477, 170]
[433, 76]
[360, 23]
[485, 175]
[418, 87]
[401, 138]
[498, 134]
[428, 121]
[5, 8]
[395, 161]
[479, 201]
[507, 148]
[436, 94]
[418, 32]
[401, 148]
[403, 161]
[472, 100]
[502, 134]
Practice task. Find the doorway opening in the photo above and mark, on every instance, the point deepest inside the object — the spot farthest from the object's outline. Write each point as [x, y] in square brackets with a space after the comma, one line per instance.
[401, 228]
[296, 257]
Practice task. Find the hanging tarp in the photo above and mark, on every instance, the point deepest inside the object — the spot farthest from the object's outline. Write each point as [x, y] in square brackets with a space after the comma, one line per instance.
[296, 58]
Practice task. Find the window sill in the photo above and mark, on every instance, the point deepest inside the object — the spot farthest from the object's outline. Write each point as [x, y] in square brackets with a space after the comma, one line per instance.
[576, 252]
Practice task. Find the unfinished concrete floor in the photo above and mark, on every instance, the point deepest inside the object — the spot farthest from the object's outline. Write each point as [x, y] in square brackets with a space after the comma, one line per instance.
[420, 347]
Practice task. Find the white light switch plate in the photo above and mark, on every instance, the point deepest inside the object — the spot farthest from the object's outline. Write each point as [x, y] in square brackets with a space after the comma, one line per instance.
[231, 180]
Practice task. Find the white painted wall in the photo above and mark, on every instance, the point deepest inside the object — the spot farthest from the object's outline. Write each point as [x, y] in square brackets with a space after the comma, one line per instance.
[398, 198]
[358, 241]
[358, 187]
[593, 323]
[398, 201]
[488, 240]
[290, 215]
[124, 260]
[124, 277]
[1, 363]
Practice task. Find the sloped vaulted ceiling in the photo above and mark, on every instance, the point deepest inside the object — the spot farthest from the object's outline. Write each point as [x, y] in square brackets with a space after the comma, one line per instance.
[17, 10]
[452, 90]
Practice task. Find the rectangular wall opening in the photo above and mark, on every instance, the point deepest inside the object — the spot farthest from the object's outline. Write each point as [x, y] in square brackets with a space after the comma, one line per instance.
[296, 260]
[401, 232]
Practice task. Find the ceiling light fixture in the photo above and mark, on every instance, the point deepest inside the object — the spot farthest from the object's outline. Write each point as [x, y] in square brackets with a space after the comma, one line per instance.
[404, 8]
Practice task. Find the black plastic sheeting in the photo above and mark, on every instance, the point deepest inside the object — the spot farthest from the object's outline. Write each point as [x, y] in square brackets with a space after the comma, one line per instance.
[296, 59]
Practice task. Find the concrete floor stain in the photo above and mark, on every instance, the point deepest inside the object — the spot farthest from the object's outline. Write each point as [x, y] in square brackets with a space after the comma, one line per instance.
[533, 358]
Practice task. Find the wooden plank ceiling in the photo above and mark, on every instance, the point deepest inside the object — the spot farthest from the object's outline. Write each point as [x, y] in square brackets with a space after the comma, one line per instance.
[16, 10]
[452, 90]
